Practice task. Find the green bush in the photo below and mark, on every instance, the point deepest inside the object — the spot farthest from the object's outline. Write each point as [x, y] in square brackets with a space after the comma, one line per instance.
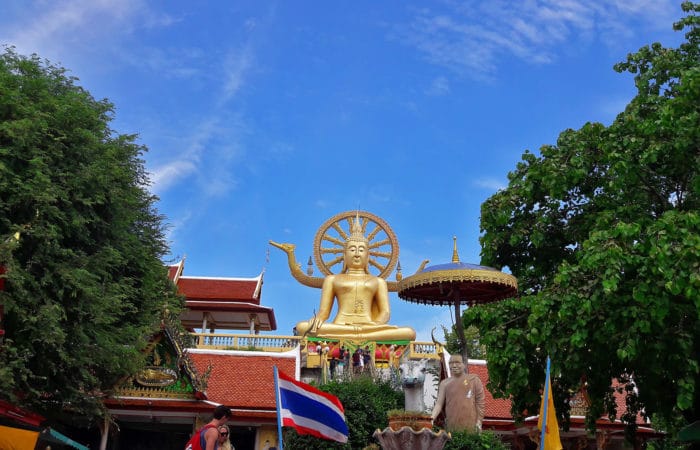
[486, 440]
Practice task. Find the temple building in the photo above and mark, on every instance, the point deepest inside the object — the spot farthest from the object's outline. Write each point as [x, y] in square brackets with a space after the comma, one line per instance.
[189, 375]
[238, 373]
[224, 360]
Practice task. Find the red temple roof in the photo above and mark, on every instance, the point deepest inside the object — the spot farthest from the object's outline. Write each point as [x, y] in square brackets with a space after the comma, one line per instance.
[223, 289]
[244, 381]
[224, 303]
[496, 408]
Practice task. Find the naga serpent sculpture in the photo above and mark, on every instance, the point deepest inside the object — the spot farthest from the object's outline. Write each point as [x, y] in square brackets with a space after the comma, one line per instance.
[295, 267]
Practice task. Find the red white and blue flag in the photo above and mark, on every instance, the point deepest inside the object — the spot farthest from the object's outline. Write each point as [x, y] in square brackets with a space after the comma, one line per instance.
[309, 410]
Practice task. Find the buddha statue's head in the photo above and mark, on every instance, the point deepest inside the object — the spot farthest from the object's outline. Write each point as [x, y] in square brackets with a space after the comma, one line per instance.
[356, 255]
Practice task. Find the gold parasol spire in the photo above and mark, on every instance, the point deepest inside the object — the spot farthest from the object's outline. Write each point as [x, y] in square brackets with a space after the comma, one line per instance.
[455, 256]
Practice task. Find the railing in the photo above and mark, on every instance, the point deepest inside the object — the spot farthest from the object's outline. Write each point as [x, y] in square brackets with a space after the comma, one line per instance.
[271, 343]
[424, 350]
[254, 342]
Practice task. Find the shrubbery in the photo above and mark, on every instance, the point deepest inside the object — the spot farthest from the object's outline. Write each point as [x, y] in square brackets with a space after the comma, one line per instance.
[366, 401]
[486, 440]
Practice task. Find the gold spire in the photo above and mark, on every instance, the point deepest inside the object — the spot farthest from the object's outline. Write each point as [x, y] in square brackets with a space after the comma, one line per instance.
[356, 233]
[455, 256]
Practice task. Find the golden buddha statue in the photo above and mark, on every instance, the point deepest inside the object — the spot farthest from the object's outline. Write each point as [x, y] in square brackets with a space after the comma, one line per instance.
[363, 299]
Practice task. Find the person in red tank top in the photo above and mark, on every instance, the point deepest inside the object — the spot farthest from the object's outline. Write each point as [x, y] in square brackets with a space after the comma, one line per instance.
[207, 437]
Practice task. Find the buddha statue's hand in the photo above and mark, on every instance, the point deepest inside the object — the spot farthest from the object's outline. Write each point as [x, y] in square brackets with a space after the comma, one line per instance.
[315, 323]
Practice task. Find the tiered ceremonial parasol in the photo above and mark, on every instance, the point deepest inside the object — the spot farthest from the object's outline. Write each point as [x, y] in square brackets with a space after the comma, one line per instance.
[457, 283]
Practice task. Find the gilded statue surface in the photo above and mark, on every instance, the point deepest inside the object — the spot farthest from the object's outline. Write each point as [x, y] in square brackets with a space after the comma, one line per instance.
[362, 299]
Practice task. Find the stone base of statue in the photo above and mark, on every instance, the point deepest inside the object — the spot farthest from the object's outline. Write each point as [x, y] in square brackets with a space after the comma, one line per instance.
[406, 438]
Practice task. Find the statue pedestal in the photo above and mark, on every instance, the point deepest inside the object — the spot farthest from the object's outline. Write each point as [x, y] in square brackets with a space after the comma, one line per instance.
[408, 439]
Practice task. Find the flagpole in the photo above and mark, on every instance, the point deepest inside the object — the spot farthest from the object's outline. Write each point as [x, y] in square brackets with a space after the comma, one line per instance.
[546, 404]
[280, 446]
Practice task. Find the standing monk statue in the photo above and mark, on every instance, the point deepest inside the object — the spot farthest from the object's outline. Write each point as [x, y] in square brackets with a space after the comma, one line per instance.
[363, 299]
[462, 398]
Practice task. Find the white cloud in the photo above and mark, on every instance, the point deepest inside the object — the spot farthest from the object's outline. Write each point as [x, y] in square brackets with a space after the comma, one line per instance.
[279, 151]
[218, 181]
[472, 39]
[52, 28]
[236, 66]
[209, 158]
[174, 226]
[171, 173]
[213, 152]
[183, 63]
[492, 184]
[250, 24]
[77, 33]
[439, 86]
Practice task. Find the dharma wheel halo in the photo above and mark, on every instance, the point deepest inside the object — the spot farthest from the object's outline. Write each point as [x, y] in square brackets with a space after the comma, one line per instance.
[329, 243]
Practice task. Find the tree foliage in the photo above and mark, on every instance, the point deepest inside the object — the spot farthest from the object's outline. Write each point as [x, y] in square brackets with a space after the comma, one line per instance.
[602, 231]
[475, 349]
[366, 401]
[85, 283]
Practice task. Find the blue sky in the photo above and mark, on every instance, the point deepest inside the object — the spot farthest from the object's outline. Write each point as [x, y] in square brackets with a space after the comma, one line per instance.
[264, 119]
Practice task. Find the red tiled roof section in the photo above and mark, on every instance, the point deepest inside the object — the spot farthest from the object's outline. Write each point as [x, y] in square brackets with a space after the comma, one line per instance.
[172, 272]
[621, 403]
[496, 408]
[238, 290]
[242, 381]
[175, 271]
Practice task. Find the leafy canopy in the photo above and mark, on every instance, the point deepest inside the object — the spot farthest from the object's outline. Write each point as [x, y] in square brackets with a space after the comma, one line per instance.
[474, 348]
[602, 231]
[85, 283]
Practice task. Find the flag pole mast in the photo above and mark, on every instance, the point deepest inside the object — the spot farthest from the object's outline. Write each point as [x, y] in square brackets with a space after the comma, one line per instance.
[280, 446]
[546, 404]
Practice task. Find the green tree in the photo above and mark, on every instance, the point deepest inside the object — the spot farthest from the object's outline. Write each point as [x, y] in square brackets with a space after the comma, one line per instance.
[366, 401]
[475, 349]
[85, 283]
[603, 233]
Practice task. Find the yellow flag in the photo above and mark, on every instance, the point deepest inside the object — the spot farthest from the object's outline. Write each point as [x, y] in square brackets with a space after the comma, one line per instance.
[17, 438]
[551, 431]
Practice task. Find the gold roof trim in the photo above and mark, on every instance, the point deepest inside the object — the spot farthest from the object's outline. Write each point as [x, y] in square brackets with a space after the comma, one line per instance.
[152, 392]
[456, 275]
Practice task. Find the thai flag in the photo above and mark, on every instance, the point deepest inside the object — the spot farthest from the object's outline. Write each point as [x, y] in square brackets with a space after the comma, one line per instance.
[309, 410]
